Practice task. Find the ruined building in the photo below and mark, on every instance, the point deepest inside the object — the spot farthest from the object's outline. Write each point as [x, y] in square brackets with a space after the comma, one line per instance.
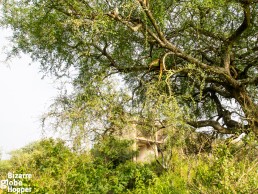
[147, 144]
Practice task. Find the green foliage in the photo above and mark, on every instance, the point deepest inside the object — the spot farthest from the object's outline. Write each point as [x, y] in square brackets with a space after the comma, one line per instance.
[5, 167]
[206, 52]
[226, 173]
[96, 44]
[168, 183]
[112, 151]
[55, 169]
[48, 161]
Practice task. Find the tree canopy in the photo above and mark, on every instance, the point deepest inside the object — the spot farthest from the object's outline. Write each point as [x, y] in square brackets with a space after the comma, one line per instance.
[192, 61]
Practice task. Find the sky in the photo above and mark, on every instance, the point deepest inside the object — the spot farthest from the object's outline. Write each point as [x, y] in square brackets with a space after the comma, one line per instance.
[24, 97]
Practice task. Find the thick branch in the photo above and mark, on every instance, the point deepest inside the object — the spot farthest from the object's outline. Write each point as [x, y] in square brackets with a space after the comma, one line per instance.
[153, 21]
[218, 104]
[210, 123]
[236, 35]
[245, 24]
[243, 74]
[218, 90]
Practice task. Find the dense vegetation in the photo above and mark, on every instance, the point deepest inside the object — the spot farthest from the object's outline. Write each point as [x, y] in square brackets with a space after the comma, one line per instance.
[170, 65]
[56, 169]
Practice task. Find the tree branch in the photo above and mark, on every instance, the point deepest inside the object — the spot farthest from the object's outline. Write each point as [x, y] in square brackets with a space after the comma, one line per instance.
[218, 90]
[114, 64]
[153, 21]
[245, 24]
[210, 123]
[236, 35]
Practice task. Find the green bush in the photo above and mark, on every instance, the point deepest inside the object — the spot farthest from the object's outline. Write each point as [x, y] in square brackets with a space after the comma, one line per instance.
[108, 168]
[112, 151]
[225, 173]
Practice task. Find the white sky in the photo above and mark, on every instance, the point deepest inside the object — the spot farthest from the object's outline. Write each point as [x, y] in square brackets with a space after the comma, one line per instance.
[24, 97]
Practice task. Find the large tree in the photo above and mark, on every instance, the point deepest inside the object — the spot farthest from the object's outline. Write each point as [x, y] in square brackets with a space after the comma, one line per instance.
[201, 53]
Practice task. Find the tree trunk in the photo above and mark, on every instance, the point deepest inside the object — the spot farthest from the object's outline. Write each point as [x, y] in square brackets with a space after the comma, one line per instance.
[248, 106]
